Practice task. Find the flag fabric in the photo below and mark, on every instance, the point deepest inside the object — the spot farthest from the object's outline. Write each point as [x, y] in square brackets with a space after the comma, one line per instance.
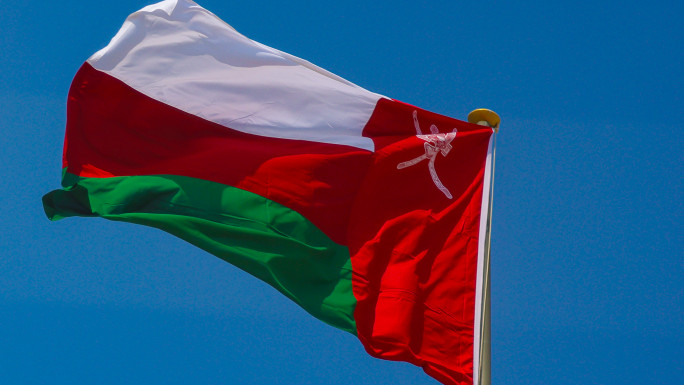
[365, 211]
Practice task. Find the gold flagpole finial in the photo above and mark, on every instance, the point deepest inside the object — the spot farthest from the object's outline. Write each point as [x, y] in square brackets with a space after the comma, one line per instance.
[485, 117]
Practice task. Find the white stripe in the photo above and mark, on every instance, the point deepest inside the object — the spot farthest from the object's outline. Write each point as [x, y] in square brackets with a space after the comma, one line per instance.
[479, 286]
[183, 55]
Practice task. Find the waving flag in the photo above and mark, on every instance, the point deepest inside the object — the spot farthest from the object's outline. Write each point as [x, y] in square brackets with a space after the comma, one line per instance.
[365, 211]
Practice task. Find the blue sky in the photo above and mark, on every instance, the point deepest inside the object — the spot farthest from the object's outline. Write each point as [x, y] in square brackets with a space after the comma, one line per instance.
[587, 261]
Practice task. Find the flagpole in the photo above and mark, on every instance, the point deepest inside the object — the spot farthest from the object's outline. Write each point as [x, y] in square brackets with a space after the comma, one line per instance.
[491, 119]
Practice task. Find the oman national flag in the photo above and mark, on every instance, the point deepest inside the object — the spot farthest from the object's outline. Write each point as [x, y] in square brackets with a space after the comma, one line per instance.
[365, 211]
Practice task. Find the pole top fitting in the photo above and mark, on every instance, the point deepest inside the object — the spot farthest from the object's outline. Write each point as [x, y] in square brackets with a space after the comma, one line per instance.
[485, 117]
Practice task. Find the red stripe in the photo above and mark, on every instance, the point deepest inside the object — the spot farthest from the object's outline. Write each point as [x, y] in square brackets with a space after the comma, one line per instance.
[114, 130]
[414, 252]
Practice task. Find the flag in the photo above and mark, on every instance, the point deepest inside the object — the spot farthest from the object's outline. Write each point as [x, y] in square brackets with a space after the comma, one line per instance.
[366, 211]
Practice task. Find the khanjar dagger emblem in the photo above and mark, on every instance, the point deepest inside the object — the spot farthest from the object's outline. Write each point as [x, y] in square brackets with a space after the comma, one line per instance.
[435, 143]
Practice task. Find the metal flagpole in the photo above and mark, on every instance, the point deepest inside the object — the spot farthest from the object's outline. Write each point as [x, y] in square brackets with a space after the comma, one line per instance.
[491, 119]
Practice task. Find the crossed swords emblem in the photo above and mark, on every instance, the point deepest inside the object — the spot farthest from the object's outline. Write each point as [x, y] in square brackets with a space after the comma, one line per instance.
[435, 143]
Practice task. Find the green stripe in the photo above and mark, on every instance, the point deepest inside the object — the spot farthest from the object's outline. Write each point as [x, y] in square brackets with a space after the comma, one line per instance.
[261, 237]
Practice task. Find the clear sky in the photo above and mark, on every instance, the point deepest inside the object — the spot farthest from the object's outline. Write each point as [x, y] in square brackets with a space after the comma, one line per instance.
[587, 260]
